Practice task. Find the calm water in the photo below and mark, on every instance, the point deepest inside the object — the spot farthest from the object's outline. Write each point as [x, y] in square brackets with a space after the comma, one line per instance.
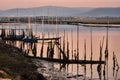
[84, 34]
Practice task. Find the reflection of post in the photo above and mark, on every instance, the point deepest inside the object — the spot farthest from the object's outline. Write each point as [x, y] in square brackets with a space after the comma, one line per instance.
[78, 42]
[113, 63]
[52, 52]
[116, 72]
[47, 49]
[99, 65]
[75, 55]
[77, 49]
[64, 43]
[41, 54]
[34, 50]
[59, 50]
[60, 56]
[106, 54]
[85, 59]
[67, 52]
[72, 46]
[115, 66]
[104, 72]
[67, 48]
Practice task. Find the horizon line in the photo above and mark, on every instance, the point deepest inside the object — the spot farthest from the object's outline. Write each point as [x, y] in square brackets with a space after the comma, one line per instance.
[55, 6]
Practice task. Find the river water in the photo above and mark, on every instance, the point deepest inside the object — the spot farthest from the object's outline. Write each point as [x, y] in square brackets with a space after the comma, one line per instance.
[84, 34]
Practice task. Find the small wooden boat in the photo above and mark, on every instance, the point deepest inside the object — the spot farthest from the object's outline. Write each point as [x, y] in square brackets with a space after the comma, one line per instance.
[35, 39]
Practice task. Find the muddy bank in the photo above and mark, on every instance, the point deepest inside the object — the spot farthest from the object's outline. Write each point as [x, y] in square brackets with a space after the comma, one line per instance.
[15, 66]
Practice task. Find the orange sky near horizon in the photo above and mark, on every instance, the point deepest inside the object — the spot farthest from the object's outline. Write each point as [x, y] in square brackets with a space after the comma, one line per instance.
[8, 4]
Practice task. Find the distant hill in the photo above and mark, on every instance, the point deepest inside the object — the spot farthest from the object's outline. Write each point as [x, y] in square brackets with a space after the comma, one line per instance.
[61, 11]
[102, 12]
[45, 10]
[0, 11]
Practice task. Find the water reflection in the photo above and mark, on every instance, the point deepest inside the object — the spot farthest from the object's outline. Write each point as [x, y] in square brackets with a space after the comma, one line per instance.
[88, 43]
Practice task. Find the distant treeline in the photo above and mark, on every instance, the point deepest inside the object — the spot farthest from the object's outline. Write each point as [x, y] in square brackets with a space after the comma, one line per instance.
[61, 20]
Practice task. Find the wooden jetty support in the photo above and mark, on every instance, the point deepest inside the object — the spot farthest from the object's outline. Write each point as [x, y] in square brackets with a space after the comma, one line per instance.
[70, 61]
[36, 40]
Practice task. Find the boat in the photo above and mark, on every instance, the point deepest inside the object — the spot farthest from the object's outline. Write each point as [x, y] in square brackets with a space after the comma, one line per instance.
[36, 39]
[14, 36]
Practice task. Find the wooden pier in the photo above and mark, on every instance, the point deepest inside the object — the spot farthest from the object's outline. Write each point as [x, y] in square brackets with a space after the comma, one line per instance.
[70, 61]
[64, 55]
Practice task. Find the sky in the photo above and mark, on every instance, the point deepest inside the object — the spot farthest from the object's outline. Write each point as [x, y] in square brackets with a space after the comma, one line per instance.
[8, 4]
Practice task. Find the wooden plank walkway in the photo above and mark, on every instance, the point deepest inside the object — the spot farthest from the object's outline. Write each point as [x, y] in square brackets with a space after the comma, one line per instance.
[69, 61]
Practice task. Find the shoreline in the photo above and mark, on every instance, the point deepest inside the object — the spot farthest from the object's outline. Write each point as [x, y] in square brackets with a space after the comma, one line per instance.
[101, 25]
[15, 66]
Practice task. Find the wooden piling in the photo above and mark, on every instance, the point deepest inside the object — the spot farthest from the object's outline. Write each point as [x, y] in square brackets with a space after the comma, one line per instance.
[91, 53]
[85, 58]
